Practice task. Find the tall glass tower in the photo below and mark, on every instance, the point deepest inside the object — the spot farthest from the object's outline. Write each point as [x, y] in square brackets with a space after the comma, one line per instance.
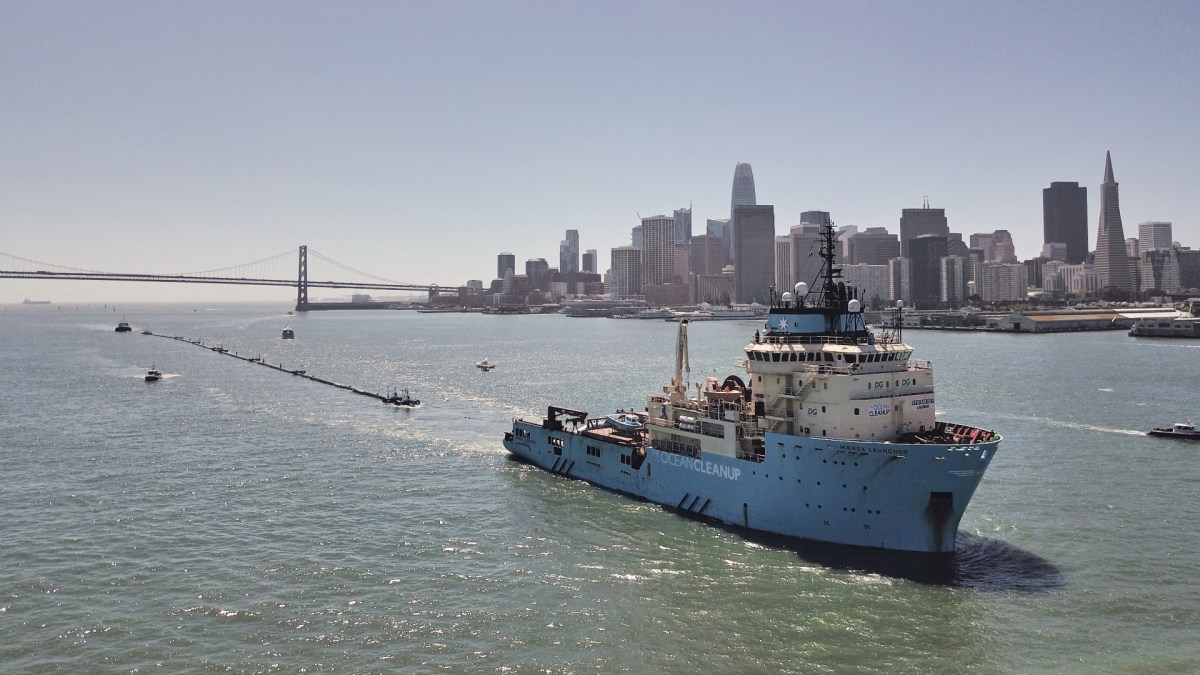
[743, 195]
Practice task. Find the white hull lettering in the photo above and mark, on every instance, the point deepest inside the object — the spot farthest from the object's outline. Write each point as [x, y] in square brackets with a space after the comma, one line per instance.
[701, 466]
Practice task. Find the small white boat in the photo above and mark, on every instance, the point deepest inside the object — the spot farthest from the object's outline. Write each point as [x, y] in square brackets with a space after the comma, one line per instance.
[288, 333]
[153, 375]
[485, 365]
[624, 421]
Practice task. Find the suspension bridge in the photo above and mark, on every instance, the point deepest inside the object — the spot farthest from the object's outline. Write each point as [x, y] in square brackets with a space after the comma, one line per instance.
[265, 272]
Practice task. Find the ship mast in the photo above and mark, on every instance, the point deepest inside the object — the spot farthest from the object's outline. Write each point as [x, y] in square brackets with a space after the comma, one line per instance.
[830, 272]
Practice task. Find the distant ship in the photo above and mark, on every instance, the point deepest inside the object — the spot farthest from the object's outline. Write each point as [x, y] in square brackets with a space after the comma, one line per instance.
[124, 327]
[27, 301]
[831, 436]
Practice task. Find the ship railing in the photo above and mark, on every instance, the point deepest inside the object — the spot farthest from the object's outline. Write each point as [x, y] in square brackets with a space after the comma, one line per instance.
[920, 364]
[676, 448]
[772, 339]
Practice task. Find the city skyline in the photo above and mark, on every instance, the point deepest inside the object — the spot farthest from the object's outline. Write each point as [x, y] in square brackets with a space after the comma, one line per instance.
[366, 132]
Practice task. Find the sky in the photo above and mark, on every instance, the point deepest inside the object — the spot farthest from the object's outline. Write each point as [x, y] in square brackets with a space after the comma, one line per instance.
[417, 140]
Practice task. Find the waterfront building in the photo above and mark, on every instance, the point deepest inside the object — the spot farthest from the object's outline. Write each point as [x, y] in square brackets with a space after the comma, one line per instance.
[900, 279]
[626, 273]
[926, 252]
[917, 222]
[1154, 236]
[754, 253]
[874, 246]
[658, 250]
[506, 264]
[589, 261]
[568, 253]
[1002, 282]
[1064, 219]
[1112, 260]
[742, 194]
[952, 271]
[715, 289]
[635, 237]
[783, 264]
[871, 282]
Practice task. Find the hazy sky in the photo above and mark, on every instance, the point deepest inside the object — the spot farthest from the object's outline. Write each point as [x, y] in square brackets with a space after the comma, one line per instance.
[416, 140]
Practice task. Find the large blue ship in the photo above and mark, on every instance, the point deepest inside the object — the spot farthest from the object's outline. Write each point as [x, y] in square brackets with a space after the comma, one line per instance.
[829, 435]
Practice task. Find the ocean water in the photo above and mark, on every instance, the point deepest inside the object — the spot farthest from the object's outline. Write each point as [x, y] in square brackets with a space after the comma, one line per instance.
[232, 518]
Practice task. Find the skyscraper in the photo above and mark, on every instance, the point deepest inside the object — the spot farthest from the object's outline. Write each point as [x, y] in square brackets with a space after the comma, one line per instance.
[1111, 260]
[926, 253]
[626, 272]
[683, 244]
[506, 263]
[875, 246]
[754, 251]
[568, 253]
[1064, 219]
[783, 263]
[589, 261]
[742, 195]
[658, 250]
[916, 222]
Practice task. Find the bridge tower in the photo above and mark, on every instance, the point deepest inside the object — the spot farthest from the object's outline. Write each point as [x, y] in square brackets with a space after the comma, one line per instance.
[302, 282]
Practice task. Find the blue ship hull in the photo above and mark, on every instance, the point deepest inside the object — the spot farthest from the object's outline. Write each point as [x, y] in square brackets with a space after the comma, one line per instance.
[901, 496]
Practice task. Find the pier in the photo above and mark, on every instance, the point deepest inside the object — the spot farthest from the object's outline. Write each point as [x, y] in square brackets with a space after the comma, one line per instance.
[386, 398]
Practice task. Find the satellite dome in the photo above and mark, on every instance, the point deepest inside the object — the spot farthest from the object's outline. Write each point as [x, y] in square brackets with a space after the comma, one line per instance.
[899, 304]
[801, 288]
[788, 297]
[854, 306]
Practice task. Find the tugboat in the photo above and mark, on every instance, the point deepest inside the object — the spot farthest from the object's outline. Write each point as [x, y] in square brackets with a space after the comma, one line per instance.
[153, 375]
[396, 397]
[830, 433]
[1185, 430]
[123, 327]
[288, 333]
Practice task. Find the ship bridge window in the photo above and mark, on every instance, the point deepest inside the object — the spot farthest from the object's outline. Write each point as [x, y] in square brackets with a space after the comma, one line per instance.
[851, 358]
[775, 356]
